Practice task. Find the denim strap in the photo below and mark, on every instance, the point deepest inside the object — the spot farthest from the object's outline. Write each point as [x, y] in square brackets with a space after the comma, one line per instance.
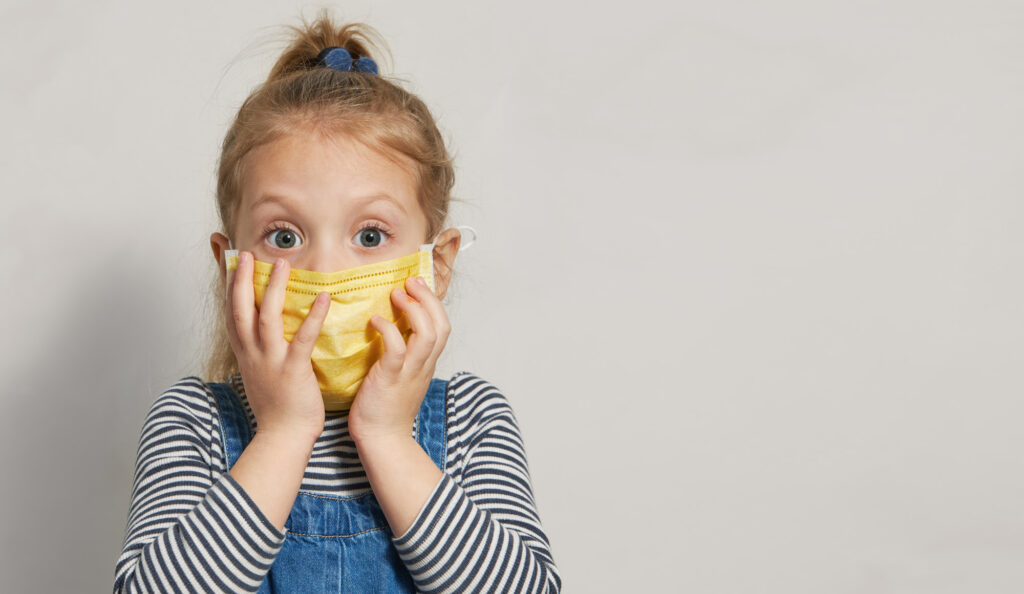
[431, 426]
[234, 426]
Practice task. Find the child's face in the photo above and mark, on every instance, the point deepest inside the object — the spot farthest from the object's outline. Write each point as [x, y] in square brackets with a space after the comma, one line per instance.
[327, 204]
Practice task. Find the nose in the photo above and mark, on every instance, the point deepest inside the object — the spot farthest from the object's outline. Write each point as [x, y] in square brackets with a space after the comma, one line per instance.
[325, 257]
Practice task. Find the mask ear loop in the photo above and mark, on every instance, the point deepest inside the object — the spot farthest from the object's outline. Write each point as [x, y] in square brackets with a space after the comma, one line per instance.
[472, 231]
[462, 246]
[231, 251]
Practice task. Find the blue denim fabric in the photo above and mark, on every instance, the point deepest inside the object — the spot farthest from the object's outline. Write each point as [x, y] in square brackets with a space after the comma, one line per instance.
[337, 544]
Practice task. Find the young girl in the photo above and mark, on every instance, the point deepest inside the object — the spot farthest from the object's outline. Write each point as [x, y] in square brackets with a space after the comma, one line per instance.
[330, 459]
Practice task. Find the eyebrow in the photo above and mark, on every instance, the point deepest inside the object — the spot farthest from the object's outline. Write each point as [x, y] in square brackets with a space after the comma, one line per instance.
[361, 201]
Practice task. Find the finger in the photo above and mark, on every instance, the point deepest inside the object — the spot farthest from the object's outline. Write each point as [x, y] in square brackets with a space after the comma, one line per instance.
[242, 299]
[271, 321]
[393, 358]
[301, 348]
[421, 343]
[418, 288]
[229, 318]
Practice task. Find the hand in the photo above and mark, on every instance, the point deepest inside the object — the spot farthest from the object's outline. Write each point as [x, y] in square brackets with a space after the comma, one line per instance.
[279, 380]
[391, 393]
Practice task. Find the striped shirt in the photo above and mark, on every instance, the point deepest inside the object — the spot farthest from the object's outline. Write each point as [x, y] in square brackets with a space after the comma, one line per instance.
[477, 532]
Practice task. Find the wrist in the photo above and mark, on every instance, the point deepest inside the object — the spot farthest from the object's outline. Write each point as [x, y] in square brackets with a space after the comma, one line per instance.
[382, 438]
[286, 440]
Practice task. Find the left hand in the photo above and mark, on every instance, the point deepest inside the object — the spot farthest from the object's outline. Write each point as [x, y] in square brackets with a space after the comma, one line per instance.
[390, 396]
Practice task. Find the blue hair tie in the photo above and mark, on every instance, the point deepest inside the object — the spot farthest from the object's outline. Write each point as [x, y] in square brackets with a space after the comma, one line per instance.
[340, 59]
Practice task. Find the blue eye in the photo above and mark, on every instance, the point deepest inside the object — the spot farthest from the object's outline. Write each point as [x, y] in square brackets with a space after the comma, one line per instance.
[285, 238]
[371, 236]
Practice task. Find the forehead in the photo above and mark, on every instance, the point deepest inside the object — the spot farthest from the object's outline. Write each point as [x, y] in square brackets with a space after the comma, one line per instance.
[314, 167]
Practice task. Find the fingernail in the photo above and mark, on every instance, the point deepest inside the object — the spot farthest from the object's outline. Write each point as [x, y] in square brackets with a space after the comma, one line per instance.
[420, 281]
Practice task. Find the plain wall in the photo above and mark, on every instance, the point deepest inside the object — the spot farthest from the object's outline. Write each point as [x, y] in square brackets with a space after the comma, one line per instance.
[749, 273]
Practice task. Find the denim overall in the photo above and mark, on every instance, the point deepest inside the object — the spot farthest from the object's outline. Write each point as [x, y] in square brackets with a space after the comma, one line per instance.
[337, 544]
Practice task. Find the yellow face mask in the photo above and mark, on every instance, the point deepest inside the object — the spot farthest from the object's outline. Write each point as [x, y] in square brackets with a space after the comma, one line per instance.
[348, 345]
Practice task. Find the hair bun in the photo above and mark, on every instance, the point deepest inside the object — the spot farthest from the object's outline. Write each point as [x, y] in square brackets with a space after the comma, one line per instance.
[310, 42]
[340, 59]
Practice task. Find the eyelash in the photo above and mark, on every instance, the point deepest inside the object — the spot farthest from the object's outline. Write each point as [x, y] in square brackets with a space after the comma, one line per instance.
[282, 227]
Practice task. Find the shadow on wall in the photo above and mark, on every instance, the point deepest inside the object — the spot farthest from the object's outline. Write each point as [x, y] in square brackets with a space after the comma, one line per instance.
[77, 410]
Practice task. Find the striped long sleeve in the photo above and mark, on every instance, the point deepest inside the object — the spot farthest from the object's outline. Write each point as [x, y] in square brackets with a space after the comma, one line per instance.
[480, 532]
[192, 527]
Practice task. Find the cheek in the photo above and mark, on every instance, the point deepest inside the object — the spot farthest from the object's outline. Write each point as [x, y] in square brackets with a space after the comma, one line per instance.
[247, 236]
[428, 230]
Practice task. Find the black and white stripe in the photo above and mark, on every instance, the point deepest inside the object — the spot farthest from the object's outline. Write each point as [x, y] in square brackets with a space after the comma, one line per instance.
[191, 526]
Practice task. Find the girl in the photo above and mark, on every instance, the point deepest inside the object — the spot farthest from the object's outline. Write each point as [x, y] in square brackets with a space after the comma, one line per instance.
[312, 469]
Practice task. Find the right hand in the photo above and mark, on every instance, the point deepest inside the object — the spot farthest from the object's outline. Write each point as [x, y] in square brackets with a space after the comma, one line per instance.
[278, 376]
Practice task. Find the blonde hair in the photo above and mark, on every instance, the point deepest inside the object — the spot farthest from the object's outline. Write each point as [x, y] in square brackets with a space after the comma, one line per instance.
[300, 96]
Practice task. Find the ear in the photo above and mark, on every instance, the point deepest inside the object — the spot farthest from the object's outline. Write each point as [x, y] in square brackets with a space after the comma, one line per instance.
[219, 243]
[445, 249]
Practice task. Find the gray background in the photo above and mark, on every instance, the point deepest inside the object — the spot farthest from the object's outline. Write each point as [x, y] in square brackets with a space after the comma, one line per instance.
[749, 273]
